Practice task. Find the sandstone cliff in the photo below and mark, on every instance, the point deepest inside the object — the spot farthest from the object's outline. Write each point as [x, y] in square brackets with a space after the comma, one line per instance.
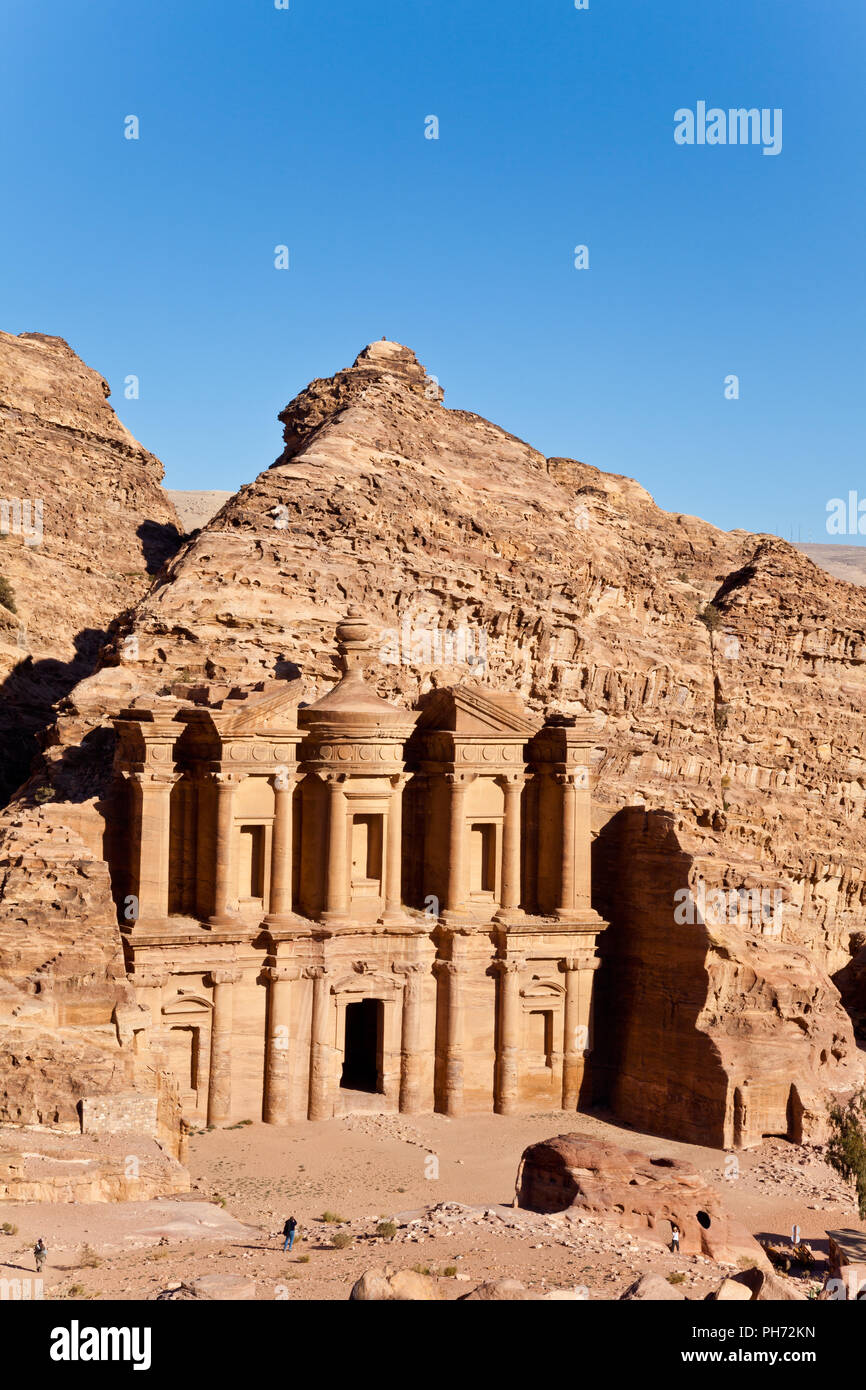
[725, 672]
[84, 524]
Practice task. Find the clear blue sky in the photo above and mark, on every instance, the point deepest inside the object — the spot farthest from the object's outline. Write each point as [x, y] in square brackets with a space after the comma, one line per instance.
[305, 127]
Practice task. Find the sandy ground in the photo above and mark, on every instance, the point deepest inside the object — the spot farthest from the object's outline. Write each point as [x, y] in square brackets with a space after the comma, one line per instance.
[367, 1168]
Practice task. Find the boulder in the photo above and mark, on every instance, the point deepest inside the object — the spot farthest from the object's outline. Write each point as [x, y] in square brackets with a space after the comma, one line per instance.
[500, 1291]
[224, 1287]
[652, 1287]
[641, 1194]
[395, 1286]
[730, 1291]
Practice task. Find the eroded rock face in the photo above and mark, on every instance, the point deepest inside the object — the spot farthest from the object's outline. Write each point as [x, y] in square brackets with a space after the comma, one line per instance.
[395, 1286]
[84, 524]
[654, 1289]
[741, 734]
[638, 1193]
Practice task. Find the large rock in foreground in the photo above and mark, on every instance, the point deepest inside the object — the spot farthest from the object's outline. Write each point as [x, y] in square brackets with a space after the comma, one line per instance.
[640, 1194]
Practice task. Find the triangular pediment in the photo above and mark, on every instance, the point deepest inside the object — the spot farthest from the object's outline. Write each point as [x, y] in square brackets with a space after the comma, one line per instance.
[261, 713]
[475, 712]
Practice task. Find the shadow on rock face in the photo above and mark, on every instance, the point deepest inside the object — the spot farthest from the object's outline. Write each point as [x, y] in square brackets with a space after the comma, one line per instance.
[27, 700]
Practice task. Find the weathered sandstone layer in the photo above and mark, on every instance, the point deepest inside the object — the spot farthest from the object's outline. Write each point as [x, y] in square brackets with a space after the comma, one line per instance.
[640, 1194]
[725, 673]
[84, 524]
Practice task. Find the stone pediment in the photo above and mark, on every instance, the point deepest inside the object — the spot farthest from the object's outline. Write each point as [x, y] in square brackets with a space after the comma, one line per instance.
[269, 712]
[476, 713]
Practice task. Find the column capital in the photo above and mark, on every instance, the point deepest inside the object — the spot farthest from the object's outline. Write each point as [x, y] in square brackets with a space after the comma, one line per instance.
[333, 779]
[285, 780]
[510, 965]
[398, 780]
[452, 967]
[228, 975]
[577, 777]
[458, 781]
[162, 778]
[224, 778]
[314, 972]
[412, 975]
[277, 974]
[511, 781]
[584, 960]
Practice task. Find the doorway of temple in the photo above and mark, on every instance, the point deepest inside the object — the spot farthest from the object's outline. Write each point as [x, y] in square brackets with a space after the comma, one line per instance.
[362, 1046]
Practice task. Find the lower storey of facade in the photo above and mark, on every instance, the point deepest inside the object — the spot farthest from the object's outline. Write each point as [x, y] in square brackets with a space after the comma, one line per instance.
[307, 1023]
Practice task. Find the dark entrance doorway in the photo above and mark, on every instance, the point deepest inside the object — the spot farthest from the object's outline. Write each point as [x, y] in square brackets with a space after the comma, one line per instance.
[362, 1046]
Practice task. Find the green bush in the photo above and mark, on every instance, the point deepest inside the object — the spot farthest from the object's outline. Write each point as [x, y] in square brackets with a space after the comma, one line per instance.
[7, 594]
[341, 1240]
[710, 617]
[387, 1229]
[846, 1150]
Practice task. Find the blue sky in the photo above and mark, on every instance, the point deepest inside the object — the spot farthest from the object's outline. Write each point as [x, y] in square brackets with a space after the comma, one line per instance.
[306, 127]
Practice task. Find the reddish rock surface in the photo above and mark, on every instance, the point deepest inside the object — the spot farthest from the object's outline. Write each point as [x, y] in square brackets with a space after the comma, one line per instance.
[84, 527]
[638, 1193]
[731, 747]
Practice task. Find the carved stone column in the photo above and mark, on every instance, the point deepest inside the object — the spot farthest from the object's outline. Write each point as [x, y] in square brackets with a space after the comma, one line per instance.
[509, 908]
[277, 1106]
[573, 1040]
[567, 903]
[280, 905]
[320, 1104]
[583, 845]
[219, 1097]
[337, 878]
[577, 1039]
[452, 1083]
[393, 910]
[456, 889]
[153, 824]
[507, 1080]
[223, 847]
[189, 838]
[410, 1046]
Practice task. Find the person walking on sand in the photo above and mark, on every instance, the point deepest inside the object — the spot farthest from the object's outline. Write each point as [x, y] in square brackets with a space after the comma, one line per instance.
[289, 1232]
[675, 1238]
[40, 1254]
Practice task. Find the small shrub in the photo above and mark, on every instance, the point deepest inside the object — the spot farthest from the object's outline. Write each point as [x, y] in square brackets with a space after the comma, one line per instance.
[8, 1229]
[421, 1269]
[710, 617]
[332, 1219]
[846, 1149]
[7, 594]
[341, 1240]
[746, 1262]
[89, 1258]
[302, 1260]
[386, 1229]
[676, 1278]
[449, 1272]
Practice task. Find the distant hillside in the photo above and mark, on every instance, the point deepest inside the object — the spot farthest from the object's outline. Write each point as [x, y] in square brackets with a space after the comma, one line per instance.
[846, 562]
[196, 509]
